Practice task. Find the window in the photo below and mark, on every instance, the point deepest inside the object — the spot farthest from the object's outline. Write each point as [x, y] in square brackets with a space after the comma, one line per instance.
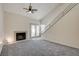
[32, 30]
[42, 27]
[35, 30]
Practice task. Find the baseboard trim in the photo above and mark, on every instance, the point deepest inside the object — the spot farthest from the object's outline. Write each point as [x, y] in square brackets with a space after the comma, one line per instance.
[61, 44]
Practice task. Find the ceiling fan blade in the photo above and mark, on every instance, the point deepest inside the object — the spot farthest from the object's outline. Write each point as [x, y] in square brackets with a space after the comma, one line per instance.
[27, 11]
[25, 8]
[34, 10]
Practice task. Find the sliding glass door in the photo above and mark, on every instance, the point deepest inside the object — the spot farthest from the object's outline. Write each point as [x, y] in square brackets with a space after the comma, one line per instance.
[35, 30]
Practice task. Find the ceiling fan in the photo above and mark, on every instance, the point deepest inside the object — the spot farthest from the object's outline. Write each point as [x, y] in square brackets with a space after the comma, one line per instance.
[30, 9]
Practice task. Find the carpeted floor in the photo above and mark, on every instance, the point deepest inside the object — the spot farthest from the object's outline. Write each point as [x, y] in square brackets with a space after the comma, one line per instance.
[38, 48]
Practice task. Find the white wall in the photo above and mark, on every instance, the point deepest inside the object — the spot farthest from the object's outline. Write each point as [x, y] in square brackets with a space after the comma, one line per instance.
[66, 31]
[16, 23]
[1, 24]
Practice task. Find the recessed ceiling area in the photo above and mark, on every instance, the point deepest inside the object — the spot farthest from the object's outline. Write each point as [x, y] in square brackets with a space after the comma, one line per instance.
[43, 9]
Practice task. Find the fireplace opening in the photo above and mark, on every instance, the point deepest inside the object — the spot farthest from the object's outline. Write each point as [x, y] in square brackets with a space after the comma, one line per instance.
[20, 36]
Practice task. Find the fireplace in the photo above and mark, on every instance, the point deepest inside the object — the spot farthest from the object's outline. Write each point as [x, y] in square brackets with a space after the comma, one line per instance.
[20, 36]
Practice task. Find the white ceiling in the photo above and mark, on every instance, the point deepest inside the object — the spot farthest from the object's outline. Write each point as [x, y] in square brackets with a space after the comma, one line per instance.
[43, 9]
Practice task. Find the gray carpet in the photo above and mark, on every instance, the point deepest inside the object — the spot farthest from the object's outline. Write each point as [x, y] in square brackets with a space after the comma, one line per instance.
[38, 48]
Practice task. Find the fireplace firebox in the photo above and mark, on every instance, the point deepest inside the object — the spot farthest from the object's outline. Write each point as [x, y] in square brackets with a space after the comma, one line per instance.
[20, 36]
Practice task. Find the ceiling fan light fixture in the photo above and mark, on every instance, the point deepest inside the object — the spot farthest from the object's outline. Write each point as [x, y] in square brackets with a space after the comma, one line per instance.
[29, 11]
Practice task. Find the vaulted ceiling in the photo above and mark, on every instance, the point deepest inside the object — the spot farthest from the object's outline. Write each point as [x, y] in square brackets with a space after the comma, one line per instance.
[43, 9]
